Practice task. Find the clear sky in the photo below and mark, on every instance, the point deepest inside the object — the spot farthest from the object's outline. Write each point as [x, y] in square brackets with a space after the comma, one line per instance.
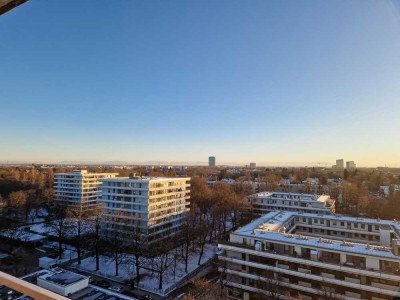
[264, 81]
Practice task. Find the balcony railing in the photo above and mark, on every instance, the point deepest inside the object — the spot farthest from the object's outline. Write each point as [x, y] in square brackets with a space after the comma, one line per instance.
[344, 266]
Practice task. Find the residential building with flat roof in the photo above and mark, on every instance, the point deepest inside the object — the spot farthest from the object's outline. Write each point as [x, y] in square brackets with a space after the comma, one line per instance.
[313, 256]
[64, 283]
[265, 202]
[153, 206]
[79, 188]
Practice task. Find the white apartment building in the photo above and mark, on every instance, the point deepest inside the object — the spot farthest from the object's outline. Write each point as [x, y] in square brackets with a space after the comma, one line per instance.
[312, 256]
[265, 202]
[79, 187]
[157, 206]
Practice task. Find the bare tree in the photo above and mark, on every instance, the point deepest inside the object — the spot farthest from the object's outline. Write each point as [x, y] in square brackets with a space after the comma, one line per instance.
[161, 259]
[59, 226]
[202, 231]
[204, 290]
[138, 248]
[17, 202]
[270, 283]
[187, 236]
[78, 221]
[116, 227]
[95, 222]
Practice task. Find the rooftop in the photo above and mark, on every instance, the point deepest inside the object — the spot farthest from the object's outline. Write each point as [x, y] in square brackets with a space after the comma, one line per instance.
[64, 278]
[273, 227]
[144, 179]
[294, 196]
[84, 172]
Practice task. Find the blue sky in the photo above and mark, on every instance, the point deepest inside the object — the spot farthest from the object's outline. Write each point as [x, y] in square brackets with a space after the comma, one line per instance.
[267, 81]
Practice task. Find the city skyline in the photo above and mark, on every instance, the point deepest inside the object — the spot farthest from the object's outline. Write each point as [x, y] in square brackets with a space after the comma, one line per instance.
[270, 82]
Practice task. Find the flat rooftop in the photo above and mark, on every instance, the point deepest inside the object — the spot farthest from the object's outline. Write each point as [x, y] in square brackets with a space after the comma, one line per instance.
[143, 178]
[293, 196]
[64, 278]
[271, 227]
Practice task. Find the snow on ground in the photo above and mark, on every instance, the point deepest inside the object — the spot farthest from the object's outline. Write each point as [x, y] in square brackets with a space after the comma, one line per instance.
[149, 279]
[41, 228]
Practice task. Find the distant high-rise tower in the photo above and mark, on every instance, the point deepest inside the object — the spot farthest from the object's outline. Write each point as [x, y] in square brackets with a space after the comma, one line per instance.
[211, 161]
[340, 164]
[350, 165]
[252, 166]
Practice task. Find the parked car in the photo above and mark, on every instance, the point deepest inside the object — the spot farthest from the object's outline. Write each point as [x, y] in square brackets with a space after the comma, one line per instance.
[116, 288]
[146, 297]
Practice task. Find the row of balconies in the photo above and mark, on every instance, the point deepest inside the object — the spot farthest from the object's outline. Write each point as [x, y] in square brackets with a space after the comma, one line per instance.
[304, 277]
[386, 274]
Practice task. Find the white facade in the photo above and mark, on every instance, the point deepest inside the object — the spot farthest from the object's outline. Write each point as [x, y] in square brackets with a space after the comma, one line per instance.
[155, 205]
[265, 202]
[79, 187]
[307, 256]
[64, 283]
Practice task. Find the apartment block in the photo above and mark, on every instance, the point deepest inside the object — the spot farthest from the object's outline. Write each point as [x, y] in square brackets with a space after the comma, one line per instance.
[312, 256]
[79, 187]
[350, 165]
[340, 164]
[155, 207]
[265, 202]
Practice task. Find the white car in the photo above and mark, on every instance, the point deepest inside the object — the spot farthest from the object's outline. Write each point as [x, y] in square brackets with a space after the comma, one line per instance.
[116, 288]
[57, 270]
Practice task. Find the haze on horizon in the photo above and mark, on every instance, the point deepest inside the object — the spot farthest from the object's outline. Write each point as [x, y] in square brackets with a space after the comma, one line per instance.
[260, 81]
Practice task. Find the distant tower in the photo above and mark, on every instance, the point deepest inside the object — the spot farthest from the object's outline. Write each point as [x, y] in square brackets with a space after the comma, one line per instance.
[350, 165]
[211, 161]
[340, 164]
[252, 166]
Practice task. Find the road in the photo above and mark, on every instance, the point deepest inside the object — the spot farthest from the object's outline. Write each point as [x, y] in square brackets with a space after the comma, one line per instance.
[127, 289]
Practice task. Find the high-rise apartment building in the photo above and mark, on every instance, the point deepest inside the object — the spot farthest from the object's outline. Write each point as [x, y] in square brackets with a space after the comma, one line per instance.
[340, 164]
[350, 165]
[211, 161]
[155, 207]
[312, 256]
[79, 188]
[252, 166]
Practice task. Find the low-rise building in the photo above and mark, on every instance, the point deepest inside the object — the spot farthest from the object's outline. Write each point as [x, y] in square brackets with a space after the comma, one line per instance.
[313, 256]
[265, 202]
[64, 283]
